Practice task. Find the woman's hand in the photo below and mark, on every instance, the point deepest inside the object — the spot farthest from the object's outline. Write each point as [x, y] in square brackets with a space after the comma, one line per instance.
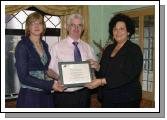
[94, 64]
[57, 86]
[95, 83]
[52, 74]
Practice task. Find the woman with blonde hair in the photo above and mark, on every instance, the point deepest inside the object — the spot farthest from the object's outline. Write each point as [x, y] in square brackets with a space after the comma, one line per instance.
[32, 60]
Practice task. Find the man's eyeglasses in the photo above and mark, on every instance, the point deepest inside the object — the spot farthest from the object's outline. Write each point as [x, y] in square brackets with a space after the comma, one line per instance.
[79, 26]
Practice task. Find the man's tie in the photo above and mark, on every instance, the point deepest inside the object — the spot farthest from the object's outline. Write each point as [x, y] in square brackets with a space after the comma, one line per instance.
[77, 54]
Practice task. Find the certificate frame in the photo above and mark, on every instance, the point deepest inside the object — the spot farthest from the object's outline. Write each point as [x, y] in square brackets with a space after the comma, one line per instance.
[71, 73]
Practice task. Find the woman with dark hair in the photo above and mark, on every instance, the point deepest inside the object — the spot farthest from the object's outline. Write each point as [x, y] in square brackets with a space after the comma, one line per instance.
[120, 67]
[32, 60]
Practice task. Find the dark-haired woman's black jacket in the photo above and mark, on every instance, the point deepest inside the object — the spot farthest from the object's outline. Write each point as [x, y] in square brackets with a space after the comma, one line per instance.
[122, 73]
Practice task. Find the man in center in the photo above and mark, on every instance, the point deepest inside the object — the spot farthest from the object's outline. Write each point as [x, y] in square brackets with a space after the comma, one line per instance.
[72, 49]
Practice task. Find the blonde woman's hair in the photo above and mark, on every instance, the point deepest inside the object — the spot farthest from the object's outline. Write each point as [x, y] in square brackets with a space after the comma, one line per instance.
[31, 18]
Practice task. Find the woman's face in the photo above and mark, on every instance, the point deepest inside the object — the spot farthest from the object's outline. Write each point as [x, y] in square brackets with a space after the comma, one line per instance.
[36, 28]
[120, 32]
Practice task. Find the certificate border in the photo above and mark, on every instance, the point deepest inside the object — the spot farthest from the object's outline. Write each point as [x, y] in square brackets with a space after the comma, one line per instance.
[76, 84]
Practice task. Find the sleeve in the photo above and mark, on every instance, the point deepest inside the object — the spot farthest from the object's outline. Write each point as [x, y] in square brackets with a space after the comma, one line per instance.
[54, 60]
[21, 55]
[132, 66]
[92, 53]
[103, 64]
[128, 71]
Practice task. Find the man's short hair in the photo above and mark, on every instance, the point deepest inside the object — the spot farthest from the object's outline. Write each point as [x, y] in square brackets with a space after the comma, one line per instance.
[73, 16]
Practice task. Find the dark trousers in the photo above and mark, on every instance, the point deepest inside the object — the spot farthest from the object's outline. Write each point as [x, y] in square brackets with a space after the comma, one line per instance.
[77, 99]
[132, 104]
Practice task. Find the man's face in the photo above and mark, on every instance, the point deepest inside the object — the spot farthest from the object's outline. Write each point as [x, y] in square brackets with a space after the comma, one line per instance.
[75, 28]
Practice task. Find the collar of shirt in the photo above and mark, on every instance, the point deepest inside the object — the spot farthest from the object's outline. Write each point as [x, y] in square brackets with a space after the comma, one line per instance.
[70, 40]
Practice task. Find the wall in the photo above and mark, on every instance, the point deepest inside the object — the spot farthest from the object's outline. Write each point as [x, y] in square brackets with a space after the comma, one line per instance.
[100, 16]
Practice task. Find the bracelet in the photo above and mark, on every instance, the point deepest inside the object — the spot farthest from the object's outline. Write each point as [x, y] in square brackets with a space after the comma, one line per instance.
[102, 82]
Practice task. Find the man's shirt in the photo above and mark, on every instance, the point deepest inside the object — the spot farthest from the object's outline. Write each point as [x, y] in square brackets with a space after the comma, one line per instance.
[64, 52]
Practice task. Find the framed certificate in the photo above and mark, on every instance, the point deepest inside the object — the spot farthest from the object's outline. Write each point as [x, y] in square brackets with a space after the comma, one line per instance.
[75, 74]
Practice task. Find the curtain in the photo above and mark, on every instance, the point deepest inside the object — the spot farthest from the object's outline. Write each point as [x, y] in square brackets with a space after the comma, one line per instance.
[60, 10]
